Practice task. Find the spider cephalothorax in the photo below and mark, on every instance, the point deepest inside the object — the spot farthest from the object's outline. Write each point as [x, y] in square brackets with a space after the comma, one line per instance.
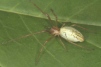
[55, 31]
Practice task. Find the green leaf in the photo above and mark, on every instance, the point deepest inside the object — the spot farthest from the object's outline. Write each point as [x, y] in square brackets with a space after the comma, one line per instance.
[20, 17]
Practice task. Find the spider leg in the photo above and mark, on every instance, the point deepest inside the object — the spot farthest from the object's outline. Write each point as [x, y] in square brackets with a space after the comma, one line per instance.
[79, 26]
[65, 23]
[79, 45]
[62, 44]
[41, 50]
[82, 28]
[54, 16]
[47, 15]
[24, 36]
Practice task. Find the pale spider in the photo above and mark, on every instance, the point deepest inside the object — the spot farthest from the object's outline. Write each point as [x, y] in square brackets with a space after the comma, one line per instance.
[69, 33]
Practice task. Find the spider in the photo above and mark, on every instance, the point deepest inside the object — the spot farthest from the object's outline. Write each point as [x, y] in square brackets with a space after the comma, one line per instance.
[69, 33]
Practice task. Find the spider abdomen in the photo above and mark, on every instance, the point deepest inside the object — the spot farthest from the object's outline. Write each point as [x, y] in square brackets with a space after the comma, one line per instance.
[71, 34]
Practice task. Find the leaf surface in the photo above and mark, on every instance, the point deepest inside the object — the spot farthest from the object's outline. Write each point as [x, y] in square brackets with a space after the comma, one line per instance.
[19, 18]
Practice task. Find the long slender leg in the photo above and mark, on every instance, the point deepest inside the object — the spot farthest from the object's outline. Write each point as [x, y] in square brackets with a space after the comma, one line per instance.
[79, 26]
[54, 16]
[41, 49]
[82, 28]
[63, 44]
[65, 23]
[42, 11]
[24, 36]
[79, 45]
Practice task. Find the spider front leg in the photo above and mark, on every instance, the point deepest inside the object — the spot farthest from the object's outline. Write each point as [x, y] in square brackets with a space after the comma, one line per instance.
[47, 15]
[56, 18]
[24, 36]
[41, 49]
